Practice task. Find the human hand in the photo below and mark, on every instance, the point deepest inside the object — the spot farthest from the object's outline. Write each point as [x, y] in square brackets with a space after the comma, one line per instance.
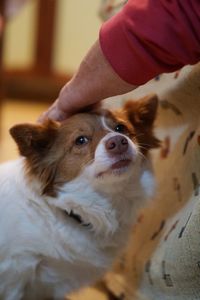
[94, 81]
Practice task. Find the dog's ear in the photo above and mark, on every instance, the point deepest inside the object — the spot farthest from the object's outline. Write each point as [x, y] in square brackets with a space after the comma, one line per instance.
[34, 139]
[142, 114]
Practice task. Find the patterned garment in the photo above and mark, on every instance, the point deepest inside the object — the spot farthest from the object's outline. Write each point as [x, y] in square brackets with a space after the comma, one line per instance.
[162, 261]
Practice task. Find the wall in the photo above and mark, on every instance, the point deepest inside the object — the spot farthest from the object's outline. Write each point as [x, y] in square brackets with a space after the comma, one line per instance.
[77, 26]
[19, 38]
[77, 29]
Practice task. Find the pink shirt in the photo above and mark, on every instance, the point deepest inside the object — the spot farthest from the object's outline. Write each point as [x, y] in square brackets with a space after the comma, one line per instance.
[150, 37]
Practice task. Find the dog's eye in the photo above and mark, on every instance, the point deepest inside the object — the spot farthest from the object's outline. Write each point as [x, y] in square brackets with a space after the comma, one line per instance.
[121, 128]
[81, 140]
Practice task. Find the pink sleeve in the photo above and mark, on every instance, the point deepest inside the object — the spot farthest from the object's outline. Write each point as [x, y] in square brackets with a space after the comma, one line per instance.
[150, 37]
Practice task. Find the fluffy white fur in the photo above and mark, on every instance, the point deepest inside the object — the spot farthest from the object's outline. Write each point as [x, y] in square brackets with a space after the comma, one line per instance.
[45, 253]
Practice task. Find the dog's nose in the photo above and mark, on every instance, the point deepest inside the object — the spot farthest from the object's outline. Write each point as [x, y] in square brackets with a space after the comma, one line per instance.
[116, 145]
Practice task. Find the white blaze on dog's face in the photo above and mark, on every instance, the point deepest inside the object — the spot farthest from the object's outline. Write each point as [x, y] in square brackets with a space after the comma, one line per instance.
[104, 146]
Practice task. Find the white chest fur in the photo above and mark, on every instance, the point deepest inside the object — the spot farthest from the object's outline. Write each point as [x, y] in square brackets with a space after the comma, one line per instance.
[45, 253]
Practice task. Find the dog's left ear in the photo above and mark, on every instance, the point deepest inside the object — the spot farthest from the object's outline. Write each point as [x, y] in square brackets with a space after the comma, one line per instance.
[34, 139]
[142, 114]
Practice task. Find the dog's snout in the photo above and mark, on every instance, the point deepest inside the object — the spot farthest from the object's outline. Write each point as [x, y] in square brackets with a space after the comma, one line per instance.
[116, 145]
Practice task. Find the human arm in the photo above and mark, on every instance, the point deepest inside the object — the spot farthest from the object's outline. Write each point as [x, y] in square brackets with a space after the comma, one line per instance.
[145, 39]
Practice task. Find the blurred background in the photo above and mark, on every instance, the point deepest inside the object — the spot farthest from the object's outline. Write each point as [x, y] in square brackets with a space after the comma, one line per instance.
[42, 44]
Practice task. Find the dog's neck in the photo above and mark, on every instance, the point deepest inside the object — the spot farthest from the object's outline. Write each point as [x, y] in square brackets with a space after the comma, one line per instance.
[104, 209]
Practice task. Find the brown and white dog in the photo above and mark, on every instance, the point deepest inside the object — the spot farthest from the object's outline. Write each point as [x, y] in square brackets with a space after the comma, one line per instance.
[68, 204]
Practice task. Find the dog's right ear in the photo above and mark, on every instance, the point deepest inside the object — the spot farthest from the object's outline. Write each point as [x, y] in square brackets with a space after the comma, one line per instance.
[34, 139]
[142, 115]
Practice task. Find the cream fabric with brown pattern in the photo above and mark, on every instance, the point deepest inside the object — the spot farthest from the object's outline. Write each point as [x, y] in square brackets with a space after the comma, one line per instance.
[162, 261]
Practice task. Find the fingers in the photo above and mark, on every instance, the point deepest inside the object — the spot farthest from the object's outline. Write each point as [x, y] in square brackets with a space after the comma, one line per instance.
[54, 112]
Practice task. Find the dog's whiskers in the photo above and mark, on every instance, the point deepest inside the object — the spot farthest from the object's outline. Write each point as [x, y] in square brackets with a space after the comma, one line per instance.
[142, 155]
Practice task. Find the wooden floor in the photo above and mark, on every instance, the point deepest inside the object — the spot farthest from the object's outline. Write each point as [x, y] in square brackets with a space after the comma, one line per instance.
[14, 112]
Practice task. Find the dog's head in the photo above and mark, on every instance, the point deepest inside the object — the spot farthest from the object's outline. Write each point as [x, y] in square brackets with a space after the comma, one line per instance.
[88, 165]
[103, 145]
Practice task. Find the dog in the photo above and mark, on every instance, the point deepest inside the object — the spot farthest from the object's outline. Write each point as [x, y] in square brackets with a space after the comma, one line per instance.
[67, 205]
